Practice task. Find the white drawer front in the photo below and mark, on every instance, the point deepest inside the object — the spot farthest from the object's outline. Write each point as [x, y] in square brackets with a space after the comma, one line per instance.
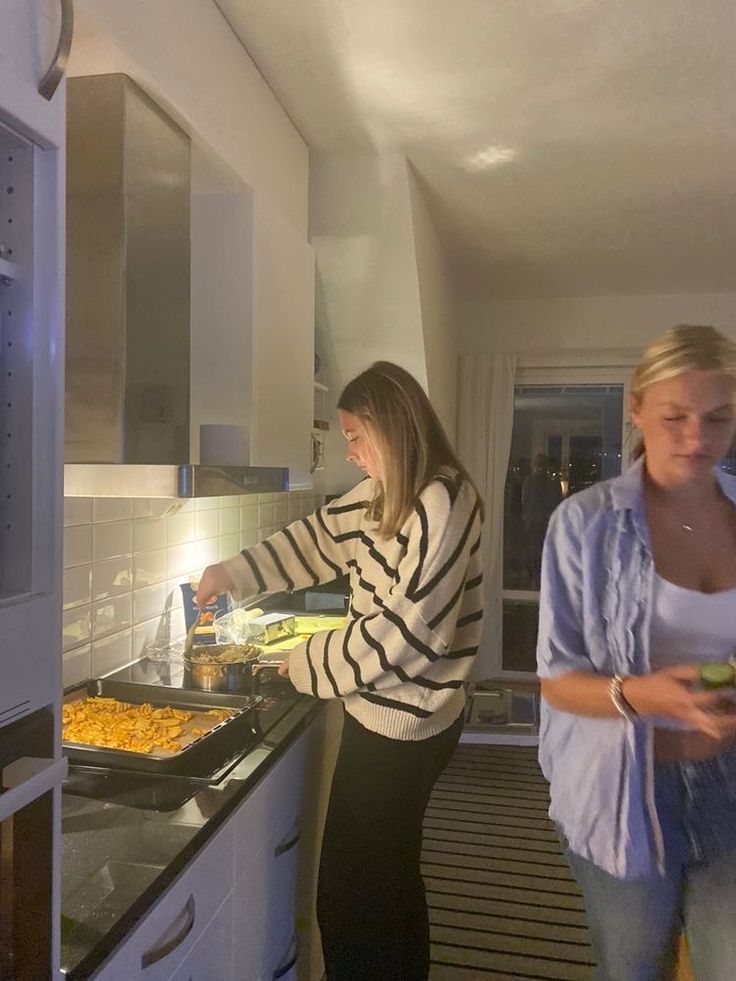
[156, 948]
[264, 916]
[285, 968]
[211, 957]
[273, 807]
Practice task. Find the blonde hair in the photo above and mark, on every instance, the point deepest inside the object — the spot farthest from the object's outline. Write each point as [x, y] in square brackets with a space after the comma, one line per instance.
[686, 347]
[408, 436]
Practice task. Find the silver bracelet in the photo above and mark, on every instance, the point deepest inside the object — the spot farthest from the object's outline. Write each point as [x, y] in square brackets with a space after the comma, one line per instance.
[620, 702]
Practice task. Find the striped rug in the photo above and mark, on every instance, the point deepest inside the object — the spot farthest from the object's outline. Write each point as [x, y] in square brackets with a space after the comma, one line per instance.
[502, 903]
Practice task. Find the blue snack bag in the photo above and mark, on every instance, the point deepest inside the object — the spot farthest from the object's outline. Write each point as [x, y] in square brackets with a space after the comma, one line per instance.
[205, 631]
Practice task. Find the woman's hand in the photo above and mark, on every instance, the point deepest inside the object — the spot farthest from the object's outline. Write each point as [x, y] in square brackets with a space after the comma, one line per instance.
[669, 693]
[213, 581]
[283, 669]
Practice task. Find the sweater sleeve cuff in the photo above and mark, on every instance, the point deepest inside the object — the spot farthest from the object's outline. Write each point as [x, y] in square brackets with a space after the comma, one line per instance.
[299, 673]
[244, 583]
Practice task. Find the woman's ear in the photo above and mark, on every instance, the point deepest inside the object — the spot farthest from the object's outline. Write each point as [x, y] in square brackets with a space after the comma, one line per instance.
[635, 410]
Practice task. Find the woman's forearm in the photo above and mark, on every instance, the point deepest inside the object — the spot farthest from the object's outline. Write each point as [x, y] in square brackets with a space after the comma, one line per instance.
[581, 693]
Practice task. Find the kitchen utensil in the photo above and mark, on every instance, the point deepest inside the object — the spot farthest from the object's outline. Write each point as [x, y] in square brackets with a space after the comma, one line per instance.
[189, 642]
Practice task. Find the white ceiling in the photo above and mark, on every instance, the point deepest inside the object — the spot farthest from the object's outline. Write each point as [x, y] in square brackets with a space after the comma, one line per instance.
[566, 147]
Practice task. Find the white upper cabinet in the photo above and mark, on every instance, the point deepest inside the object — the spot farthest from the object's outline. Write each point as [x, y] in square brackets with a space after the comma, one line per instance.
[34, 40]
[252, 350]
[283, 346]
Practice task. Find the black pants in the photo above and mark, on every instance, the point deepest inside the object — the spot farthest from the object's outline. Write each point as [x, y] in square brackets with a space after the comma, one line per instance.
[371, 905]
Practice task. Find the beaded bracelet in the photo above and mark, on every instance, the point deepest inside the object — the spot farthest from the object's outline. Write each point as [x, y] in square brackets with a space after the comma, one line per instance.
[620, 702]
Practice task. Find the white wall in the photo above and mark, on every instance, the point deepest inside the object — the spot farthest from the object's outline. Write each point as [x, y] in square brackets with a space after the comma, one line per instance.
[587, 323]
[439, 311]
[184, 54]
[368, 303]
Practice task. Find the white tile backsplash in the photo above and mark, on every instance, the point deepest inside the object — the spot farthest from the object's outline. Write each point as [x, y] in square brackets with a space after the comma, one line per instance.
[124, 560]
[111, 653]
[265, 515]
[77, 586]
[149, 534]
[111, 509]
[112, 615]
[149, 568]
[111, 577]
[229, 521]
[248, 517]
[206, 552]
[229, 546]
[112, 539]
[77, 510]
[179, 560]
[154, 507]
[148, 602]
[248, 538]
[77, 545]
[76, 627]
[180, 528]
[76, 666]
[206, 524]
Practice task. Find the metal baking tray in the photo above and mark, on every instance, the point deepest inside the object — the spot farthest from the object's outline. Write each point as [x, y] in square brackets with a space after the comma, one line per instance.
[199, 755]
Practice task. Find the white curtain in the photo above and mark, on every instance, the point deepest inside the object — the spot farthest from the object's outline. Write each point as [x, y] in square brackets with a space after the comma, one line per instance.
[485, 423]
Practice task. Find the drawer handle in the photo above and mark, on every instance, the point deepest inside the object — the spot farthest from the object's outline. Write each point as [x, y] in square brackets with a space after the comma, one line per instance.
[291, 960]
[50, 82]
[286, 846]
[158, 953]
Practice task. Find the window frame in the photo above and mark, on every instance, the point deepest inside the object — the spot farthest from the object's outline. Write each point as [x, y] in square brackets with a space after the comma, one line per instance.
[615, 370]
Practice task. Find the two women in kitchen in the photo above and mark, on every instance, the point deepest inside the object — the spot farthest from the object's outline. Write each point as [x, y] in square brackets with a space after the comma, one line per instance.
[409, 536]
[638, 590]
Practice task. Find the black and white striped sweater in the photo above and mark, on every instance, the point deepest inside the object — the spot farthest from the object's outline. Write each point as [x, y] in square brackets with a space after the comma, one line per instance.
[415, 612]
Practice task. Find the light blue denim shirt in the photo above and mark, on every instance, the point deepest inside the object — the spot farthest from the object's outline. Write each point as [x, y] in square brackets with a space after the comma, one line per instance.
[594, 615]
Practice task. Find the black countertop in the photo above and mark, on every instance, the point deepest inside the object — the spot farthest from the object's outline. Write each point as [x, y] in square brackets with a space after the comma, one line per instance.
[125, 838]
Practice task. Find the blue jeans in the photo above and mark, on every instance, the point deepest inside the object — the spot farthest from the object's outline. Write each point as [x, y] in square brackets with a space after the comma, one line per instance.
[635, 923]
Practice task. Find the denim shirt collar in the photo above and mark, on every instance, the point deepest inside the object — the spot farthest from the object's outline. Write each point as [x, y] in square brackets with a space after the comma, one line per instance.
[627, 494]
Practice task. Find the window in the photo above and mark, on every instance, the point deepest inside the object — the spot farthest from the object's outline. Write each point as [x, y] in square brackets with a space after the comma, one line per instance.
[568, 433]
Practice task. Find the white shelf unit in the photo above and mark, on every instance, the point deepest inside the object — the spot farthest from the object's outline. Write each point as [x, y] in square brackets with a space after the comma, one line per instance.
[8, 271]
[320, 425]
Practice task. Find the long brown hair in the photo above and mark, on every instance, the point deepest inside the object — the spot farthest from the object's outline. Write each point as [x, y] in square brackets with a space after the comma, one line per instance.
[686, 347]
[409, 437]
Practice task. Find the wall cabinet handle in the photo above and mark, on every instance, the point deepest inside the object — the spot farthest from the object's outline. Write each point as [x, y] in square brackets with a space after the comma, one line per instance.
[50, 81]
[27, 779]
[290, 842]
[292, 956]
[150, 957]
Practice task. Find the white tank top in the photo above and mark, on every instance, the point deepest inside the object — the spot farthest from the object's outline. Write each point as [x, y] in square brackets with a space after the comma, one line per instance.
[688, 627]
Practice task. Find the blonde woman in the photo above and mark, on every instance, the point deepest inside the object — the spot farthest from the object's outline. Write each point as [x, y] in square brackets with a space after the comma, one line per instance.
[638, 589]
[409, 537]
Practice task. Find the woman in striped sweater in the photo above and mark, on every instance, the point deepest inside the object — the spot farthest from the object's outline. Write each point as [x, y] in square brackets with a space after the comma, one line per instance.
[409, 536]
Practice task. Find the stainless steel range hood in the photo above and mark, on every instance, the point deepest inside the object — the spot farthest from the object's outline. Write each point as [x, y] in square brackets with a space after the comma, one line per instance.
[128, 293]
[184, 480]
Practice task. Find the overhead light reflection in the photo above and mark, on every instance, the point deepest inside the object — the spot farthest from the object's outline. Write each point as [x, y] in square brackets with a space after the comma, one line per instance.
[491, 156]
